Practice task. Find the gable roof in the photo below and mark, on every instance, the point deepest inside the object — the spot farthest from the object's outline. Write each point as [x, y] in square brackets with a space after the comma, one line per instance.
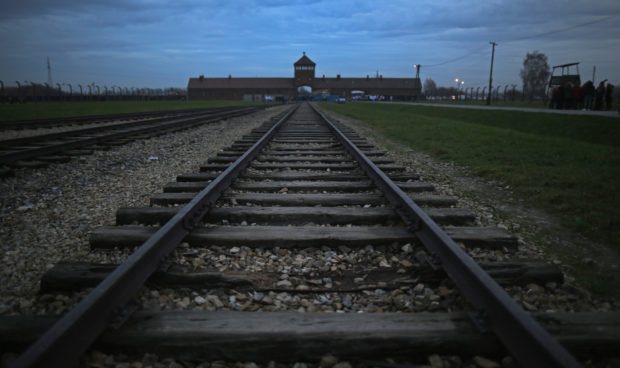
[227, 83]
[366, 83]
[304, 60]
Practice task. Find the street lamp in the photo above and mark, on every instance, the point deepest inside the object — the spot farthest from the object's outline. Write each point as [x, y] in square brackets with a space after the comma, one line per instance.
[417, 68]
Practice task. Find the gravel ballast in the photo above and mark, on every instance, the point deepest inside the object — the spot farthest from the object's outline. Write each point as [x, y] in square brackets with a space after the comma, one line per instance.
[48, 213]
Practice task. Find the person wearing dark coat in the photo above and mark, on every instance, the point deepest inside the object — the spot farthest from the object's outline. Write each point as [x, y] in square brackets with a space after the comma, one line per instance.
[609, 96]
[577, 97]
[554, 99]
[600, 94]
[568, 95]
[560, 99]
[588, 95]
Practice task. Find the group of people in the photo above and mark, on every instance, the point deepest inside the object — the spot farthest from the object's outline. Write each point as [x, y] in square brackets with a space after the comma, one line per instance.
[586, 97]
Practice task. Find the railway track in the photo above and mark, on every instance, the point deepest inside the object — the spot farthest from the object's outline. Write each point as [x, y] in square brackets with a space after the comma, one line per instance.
[90, 119]
[296, 218]
[39, 150]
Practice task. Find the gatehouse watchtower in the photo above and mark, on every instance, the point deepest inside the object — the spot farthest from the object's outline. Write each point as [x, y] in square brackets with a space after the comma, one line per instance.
[304, 71]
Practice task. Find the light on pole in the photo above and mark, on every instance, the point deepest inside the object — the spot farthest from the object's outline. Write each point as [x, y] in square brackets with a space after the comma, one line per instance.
[417, 68]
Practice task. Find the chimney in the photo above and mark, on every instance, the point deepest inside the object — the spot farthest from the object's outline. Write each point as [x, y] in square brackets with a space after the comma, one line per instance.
[337, 76]
[202, 77]
[229, 76]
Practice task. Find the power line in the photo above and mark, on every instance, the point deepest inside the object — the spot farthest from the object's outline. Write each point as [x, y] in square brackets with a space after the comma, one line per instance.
[526, 38]
[458, 58]
[564, 29]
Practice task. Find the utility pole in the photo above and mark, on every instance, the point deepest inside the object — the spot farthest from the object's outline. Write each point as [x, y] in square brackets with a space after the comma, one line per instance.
[491, 73]
[593, 73]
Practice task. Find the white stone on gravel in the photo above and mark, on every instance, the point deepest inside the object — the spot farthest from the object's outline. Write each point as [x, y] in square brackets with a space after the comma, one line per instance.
[59, 205]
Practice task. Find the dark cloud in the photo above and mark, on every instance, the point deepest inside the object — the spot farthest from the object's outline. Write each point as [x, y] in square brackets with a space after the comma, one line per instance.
[218, 36]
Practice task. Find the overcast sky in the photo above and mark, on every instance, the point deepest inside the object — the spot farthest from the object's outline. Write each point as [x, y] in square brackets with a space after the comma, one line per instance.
[159, 43]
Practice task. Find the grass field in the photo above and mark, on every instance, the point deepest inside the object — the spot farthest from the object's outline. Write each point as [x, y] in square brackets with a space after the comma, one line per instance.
[64, 109]
[568, 165]
[518, 103]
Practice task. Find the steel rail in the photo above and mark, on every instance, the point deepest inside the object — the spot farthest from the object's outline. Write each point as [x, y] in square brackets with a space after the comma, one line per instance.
[8, 157]
[67, 339]
[37, 123]
[5, 144]
[523, 336]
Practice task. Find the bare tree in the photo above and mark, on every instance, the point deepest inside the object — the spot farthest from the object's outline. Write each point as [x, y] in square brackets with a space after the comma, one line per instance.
[535, 74]
[430, 87]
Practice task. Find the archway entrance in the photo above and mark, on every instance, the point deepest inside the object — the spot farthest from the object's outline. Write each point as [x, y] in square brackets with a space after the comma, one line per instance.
[358, 95]
[304, 93]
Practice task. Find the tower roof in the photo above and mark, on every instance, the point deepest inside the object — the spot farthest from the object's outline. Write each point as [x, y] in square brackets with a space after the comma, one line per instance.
[304, 60]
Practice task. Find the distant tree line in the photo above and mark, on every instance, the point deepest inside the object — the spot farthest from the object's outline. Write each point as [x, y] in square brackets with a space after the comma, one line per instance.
[535, 76]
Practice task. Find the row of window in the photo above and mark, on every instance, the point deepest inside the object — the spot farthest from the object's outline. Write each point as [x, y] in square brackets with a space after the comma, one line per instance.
[277, 91]
[304, 67]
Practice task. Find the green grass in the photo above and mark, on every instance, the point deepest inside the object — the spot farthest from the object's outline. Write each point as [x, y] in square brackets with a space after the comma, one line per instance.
[567, 165]
[65, 109]
[529, 104]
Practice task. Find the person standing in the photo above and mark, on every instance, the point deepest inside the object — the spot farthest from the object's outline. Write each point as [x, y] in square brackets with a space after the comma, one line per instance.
[577, 97]
[554, 99]
[609, 96]
[588, 95]
[600, 94]
[568, 95]
[560, 99]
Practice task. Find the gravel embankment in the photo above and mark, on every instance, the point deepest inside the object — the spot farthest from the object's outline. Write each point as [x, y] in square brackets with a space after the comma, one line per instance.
[47, 214]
